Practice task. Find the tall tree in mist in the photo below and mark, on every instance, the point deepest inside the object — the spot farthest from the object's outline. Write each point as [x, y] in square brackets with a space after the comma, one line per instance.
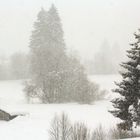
[116, 56]
[47, 48]
[102, 63]
[56, 77]
[105, 61]
[127, 106]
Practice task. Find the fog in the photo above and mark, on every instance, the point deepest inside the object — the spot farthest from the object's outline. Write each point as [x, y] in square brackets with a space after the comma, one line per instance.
[86, 23]
[67, 54]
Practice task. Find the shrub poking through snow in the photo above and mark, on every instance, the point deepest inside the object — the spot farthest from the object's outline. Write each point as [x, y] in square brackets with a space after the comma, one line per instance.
[80, 132]
[99, 134]
[62, 129]
[118, 133]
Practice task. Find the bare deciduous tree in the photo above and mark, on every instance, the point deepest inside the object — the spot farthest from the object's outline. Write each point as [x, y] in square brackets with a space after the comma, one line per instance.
[80, 132]
[60, 128]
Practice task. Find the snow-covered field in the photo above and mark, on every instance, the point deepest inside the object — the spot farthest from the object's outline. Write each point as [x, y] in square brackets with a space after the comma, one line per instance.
[35, 124]
[133, 139]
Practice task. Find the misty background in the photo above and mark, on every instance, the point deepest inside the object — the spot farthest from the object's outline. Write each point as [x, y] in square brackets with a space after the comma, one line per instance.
[97, 31]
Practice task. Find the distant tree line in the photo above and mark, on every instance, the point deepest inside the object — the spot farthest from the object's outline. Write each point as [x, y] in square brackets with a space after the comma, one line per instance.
[15, 66]
[106, 60]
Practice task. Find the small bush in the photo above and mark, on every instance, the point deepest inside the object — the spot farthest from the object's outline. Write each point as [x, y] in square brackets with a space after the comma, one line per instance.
[80, 132]
[98, 134]
[118, 133]
[61, 128]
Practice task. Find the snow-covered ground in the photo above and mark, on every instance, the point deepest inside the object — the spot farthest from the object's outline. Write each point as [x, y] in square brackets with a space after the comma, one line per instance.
[133, 139]
[35, 124]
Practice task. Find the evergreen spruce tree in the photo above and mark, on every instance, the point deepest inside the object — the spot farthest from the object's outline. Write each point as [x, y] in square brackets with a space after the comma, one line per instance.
[56, 77]
[48, 52]
[127, 106]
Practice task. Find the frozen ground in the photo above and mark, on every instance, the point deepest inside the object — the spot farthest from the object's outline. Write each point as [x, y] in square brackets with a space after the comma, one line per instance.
[35, 124]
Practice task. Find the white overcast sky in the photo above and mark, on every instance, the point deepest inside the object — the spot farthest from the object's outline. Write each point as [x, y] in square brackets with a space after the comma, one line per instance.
[86, 23]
